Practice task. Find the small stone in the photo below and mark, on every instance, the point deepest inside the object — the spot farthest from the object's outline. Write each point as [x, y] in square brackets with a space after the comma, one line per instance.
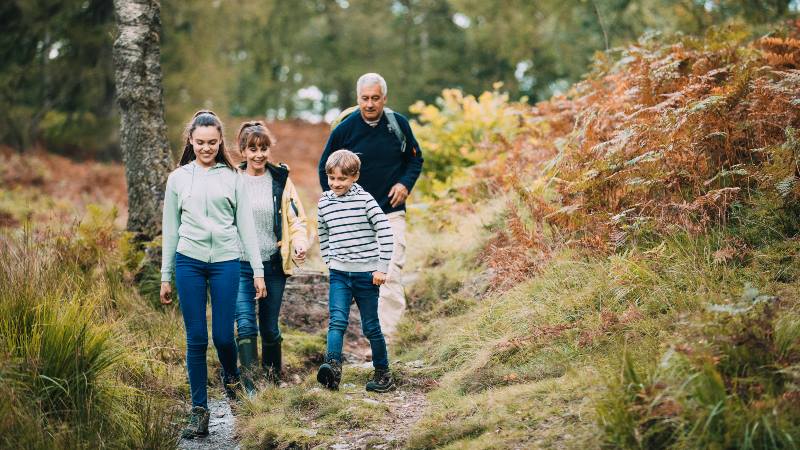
[416, 364]
[341, 447]
[220, 414]
[371, 401]
[348, 386]
[310, 433]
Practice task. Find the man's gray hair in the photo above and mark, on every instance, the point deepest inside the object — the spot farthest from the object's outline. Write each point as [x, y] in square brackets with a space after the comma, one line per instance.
[371, 79]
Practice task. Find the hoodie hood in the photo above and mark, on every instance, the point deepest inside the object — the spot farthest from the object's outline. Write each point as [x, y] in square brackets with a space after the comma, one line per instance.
[354, 190]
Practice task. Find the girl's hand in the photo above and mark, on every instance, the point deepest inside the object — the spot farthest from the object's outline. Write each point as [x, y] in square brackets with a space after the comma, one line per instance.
[378, 278]
[300, 253]
[261, 288]
[166, 293]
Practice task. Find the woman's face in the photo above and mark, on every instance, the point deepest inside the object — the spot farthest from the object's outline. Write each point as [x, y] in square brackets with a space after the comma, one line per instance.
[257, 156]
[205, 141]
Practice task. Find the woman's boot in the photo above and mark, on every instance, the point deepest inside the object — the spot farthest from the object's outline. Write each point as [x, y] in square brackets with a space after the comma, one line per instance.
[248, 355]
[271, 360]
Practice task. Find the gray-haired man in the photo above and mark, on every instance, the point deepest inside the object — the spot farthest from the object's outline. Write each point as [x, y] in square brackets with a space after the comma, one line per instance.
[391, 162]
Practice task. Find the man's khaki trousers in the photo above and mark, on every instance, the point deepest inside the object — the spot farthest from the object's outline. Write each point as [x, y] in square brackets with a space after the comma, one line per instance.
[392, 302]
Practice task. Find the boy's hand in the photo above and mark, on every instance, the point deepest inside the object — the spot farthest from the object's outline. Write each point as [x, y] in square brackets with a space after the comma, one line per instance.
[166, 293]
[378, 278]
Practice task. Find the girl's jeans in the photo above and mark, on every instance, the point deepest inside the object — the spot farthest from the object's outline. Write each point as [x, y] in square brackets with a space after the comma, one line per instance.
[268, 308]
[346, 286]
[194, 279]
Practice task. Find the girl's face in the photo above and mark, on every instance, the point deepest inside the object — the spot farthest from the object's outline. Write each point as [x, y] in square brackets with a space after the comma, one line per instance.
[257, 155]
[206, 141]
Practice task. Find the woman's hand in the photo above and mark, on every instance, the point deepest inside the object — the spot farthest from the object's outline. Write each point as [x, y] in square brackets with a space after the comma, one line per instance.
[300, 253]
[378, 278]
[166, 293]
[261, 288]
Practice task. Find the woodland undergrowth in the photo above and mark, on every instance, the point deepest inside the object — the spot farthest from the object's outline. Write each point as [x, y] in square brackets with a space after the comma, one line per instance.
[617, 266]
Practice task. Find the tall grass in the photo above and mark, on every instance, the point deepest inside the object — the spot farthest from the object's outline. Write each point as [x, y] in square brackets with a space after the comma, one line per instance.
[66, 359]
[572, 356]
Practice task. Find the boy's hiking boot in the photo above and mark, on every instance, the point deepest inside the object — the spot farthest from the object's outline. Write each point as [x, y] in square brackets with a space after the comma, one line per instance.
[330, 374]
[232, 385]
[381, 381]
[198, 423]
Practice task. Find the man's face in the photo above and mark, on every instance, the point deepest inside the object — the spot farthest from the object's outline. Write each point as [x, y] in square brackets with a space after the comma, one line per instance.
[371, 102]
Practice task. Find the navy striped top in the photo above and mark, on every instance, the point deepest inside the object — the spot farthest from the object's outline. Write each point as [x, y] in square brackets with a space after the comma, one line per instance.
[354, 234]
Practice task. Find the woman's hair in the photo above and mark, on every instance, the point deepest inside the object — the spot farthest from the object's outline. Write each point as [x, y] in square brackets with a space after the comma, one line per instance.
[348, 162]
[252, 133]
[204, 118]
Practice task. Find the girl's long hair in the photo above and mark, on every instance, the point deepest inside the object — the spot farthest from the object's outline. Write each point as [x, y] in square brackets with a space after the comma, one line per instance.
[204, 118]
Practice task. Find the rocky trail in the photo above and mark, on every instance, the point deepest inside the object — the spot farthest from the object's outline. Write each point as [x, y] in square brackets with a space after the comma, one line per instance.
[404, 407]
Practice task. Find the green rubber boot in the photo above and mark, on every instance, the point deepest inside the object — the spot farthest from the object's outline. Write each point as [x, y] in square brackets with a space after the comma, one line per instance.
[271, 361]
[248, 360]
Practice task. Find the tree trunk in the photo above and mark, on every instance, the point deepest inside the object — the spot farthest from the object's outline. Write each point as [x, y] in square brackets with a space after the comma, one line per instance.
[143, 132]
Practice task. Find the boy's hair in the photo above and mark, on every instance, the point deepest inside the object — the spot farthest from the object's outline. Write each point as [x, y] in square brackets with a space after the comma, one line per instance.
[347, 161]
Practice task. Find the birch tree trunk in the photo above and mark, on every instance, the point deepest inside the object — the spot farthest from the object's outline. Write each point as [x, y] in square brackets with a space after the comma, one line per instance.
[143, 132]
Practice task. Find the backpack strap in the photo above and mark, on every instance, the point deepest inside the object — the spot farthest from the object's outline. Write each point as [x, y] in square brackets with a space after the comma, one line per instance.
[394, 127]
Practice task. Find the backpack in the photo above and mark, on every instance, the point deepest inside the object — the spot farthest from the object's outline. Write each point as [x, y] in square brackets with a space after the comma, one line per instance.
[390, 116]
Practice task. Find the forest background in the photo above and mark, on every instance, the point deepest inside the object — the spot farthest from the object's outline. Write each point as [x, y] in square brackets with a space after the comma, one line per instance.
[299, 59]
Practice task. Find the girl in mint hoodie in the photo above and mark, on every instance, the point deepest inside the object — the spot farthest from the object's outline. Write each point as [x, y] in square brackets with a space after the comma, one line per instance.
[206, 213]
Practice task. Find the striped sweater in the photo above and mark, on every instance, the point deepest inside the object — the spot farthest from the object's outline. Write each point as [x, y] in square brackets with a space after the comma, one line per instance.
[354, 234]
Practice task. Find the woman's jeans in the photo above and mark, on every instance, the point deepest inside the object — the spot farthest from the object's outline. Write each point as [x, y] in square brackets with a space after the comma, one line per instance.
[269, 307]
[194, 279]
[346, 286]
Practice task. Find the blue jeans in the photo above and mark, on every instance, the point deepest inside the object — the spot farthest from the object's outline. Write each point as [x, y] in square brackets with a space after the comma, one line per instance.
[194, 280]
[269, 308]
[346, 286]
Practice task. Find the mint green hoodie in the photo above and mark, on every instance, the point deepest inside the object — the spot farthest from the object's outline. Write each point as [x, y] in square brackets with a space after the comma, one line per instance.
[206, 212]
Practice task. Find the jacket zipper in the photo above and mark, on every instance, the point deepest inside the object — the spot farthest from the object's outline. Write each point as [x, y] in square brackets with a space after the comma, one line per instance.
[210, 233]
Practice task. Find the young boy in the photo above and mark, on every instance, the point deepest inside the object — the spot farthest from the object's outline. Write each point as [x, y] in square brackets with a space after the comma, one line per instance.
[355, 240]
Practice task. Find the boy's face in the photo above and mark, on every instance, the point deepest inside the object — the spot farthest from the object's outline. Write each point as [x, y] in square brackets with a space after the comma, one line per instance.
[339, 182]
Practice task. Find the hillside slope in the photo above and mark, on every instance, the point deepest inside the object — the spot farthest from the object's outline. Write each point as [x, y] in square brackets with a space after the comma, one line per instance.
[619, 266]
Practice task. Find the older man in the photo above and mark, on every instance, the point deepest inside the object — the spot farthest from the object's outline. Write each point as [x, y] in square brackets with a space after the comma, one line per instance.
[391, 162]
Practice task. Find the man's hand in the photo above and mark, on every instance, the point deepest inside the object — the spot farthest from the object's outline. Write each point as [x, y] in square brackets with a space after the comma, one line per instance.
[378, 278]
[397, 195]
[300, 253]
[261, 288]
[166, 293]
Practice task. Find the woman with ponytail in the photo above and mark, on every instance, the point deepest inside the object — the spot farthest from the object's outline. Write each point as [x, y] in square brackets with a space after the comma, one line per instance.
[281, 228]
[206, 215]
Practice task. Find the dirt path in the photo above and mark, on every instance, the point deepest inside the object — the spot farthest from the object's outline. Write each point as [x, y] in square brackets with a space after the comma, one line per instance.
[405, 406]
[220, 429]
